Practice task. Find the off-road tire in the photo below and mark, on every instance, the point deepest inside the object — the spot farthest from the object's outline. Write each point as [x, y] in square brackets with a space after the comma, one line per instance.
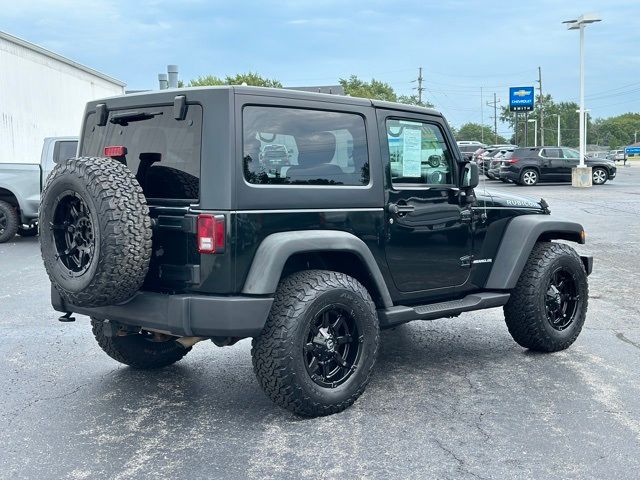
[599, 179]
[28, 232]
[525, 312]
[10, 216]
[277, 353]
[121, 228]
[136, 350]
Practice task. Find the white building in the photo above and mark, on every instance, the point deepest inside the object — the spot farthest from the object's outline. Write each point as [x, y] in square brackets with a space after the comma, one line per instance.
[42, 94]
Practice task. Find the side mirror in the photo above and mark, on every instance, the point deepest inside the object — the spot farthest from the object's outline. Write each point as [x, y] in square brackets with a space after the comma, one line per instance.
[471, 177]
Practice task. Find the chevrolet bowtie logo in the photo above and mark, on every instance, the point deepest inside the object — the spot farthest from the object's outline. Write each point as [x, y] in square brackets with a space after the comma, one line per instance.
[522, 93]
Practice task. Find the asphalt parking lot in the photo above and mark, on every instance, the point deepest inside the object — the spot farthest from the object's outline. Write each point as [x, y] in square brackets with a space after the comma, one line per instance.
[449, 399]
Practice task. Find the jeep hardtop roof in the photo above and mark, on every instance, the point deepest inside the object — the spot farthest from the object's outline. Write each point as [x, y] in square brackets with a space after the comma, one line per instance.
[161, 96]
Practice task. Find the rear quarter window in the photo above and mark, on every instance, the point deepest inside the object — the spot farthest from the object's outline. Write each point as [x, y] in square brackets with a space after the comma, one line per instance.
[295, 146]
[162, 152]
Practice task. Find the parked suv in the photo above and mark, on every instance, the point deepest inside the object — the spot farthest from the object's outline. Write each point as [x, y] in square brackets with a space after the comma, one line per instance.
[530, 165]
[173, 227]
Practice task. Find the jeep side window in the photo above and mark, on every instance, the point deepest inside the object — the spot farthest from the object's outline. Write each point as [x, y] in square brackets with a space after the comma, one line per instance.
[293, 146]
[418, 153]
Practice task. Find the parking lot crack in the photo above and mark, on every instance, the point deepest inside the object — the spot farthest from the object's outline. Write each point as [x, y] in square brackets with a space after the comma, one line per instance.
[462, 467]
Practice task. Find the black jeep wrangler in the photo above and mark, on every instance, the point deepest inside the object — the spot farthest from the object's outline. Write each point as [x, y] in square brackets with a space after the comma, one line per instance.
[177, 225]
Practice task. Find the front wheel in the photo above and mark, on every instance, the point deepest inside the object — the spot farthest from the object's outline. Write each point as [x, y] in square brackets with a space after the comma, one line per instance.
[317, 350]
[548, 306]
[599, 176]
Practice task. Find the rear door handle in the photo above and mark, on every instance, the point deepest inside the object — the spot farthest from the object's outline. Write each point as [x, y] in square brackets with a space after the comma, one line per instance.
[395, 209]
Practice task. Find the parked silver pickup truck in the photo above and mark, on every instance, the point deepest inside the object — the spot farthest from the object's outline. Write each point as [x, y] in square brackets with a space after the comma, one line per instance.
[21, 184]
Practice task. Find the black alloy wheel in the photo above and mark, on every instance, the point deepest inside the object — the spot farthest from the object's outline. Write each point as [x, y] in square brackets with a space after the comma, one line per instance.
[332, 350]
[73, 233]
[561, 299]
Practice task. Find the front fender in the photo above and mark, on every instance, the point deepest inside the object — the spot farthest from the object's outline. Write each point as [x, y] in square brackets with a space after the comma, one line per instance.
[275, 250]
[518, 240]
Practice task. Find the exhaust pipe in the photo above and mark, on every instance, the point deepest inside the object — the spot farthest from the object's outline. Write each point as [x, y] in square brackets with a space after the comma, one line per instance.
[188, 342]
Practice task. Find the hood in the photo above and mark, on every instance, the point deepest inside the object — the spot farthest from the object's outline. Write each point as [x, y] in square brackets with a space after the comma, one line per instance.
[499, 199]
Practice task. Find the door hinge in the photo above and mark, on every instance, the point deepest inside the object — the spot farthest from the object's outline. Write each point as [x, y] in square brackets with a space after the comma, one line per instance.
[465, 261]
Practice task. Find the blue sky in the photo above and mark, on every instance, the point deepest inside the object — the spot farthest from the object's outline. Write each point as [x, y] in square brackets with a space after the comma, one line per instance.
[461, 45]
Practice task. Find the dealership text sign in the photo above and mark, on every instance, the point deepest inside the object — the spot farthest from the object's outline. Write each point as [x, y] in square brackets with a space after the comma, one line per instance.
[521, 99]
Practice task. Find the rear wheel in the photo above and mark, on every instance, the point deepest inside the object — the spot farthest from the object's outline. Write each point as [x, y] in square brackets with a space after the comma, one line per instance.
[8, 221]
[599, 176]
[529, 177]
[318, 348]
[548, 306]
[142, 350]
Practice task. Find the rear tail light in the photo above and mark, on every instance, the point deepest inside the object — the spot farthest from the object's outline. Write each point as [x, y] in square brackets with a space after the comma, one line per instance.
[115, 151]
[512, 160]
[211, 233]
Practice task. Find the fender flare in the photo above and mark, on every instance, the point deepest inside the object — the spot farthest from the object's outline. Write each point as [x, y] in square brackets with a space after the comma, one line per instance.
[275, 250]
[518, 240]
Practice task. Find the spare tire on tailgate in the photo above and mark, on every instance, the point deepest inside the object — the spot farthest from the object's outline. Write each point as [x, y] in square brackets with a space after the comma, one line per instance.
[95, 231]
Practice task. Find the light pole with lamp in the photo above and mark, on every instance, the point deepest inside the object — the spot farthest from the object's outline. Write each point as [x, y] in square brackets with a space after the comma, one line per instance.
[558, 115]
[581, 175]
[535, 129]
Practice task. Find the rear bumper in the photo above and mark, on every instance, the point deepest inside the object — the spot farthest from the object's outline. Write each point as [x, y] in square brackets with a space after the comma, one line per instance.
[184, 314]
[508, 175]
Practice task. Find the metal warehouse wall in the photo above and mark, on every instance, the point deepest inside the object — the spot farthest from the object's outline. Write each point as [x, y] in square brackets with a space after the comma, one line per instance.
[41, 96]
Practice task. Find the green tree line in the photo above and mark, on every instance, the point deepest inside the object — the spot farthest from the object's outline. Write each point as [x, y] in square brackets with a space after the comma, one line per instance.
[614, 132]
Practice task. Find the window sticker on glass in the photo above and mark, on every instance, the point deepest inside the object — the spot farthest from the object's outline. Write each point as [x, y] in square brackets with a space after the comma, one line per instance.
[418, 154]
[412, 152]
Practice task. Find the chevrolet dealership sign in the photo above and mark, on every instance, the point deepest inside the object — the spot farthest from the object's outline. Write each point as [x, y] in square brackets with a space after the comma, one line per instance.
[521, 99]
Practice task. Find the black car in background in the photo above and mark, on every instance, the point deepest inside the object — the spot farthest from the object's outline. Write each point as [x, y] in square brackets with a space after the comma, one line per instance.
[530, 165]
[468, 149]
[496, 162]
[492, 161]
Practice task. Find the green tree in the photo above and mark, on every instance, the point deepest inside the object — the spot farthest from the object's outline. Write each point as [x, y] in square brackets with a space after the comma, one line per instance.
[474, 132]
[413, 100]
[569, 123]
[249, 78]
[356, 87]
[616, 132]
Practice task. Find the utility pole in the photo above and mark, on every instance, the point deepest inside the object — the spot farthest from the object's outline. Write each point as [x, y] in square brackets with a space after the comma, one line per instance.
[541, 107]
[420, 87]
[558, 115]
[494, 104]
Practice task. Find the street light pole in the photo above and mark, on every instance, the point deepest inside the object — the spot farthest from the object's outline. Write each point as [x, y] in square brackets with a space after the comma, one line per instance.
[558, 115]
[582, 145]
[581, 177]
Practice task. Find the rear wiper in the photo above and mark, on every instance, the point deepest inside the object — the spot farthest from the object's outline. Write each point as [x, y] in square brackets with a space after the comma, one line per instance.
[135, 116]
